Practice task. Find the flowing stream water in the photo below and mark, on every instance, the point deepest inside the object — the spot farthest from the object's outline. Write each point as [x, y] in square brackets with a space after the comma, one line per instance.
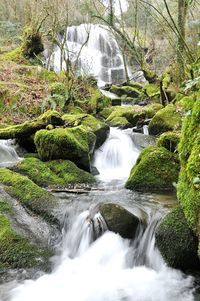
[8, 154]
[108, 268]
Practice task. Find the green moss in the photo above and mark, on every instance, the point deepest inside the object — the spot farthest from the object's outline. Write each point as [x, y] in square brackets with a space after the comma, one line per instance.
[176, 242]
[167, 119]
[121, 122]
[169, 140]
[38, 172]
[152, 90]
[132, 114]
[156, 170]
[69, 172]
[28, 128]
[151, 109]
[17, 251]
[73, 144]
[106, 112]
[126, 90]
[57, 89]
[14, 55]
[99, 128]
[28, 193]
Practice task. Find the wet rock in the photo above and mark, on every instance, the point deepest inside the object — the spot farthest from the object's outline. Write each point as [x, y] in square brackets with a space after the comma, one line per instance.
[177, 242]
[119, 220]
[156, 169]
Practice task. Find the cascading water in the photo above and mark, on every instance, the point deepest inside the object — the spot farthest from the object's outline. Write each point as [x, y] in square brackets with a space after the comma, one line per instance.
[115, 158]
[95, 264]
[8, 154]
[94, 51]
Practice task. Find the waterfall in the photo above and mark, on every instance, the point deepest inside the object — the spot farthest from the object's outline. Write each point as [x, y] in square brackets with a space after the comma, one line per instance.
[8, 154]
[109, 268]
[94, 51]
[115, 158]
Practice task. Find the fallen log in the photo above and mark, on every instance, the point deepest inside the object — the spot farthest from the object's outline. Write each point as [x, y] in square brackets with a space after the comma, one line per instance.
[74, 190]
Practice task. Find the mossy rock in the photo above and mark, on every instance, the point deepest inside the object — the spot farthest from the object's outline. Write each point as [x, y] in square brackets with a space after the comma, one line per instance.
[17, 251]
[29, 194]
[169, 140]
[177, 242]
[156, 170]
[119, 220]
[136, 85]
[53, 173]
[29, 128]
[120, 122]
[75, 144]
[167, 119]
[126, 90]
[151, 109]
[99, 128]
[106, 112]
[132, 114]
[152, 91]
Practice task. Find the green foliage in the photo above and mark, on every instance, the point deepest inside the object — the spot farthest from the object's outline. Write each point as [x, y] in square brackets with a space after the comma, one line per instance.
[156, 170]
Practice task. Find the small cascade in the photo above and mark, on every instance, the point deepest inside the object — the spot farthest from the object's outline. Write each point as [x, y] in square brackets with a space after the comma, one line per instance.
[115, 158]
[8, 154]
[145, 130]
[93, 50]
[102, 270]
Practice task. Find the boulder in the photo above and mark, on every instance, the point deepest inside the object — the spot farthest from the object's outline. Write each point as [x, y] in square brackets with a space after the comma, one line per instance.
[133, 92]
[166, 119]
[156, 169]
[30, 195]
[120, 122]
[75, 144]
[99, 128]
[177, 242]
[53, 173]
[119, 220]
[169, 140]
[28, 128]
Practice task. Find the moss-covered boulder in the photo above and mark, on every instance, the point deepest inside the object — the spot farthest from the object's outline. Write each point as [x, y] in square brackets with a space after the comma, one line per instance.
[177, 242]
[29, 194]
[120, 122]
[133, 113]
[28, 128]
[119, 220]
[75, 144]
[17, 251]
[133, 92]
[169, 140]
[99, 128]
[53, 173]
[156, 169]
[152, 91]
[188, 188]
[167, 119]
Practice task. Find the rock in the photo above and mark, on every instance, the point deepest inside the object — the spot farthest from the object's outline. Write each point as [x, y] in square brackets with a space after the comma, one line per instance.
[53, 173]
[75, 144]
[31, 196]
[119, 220]
[156, 169]
[169, 140]
[29, 128]
[94, 171]
[177, 242]
[152, 91]
[142, 141]
[166, 119]
[133, 113]
[126, 90]
[120, 122]
[116, 101]
[99, 128]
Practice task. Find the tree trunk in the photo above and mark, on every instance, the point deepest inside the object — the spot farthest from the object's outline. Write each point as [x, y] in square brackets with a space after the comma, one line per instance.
[182, 13]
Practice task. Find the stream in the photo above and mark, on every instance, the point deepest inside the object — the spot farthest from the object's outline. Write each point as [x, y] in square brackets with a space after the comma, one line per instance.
[109, 268]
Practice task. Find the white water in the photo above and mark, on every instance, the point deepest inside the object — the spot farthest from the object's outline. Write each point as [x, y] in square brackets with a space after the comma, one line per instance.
[8, 154]
[107, 269]
[99, 57]
[115, 158]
